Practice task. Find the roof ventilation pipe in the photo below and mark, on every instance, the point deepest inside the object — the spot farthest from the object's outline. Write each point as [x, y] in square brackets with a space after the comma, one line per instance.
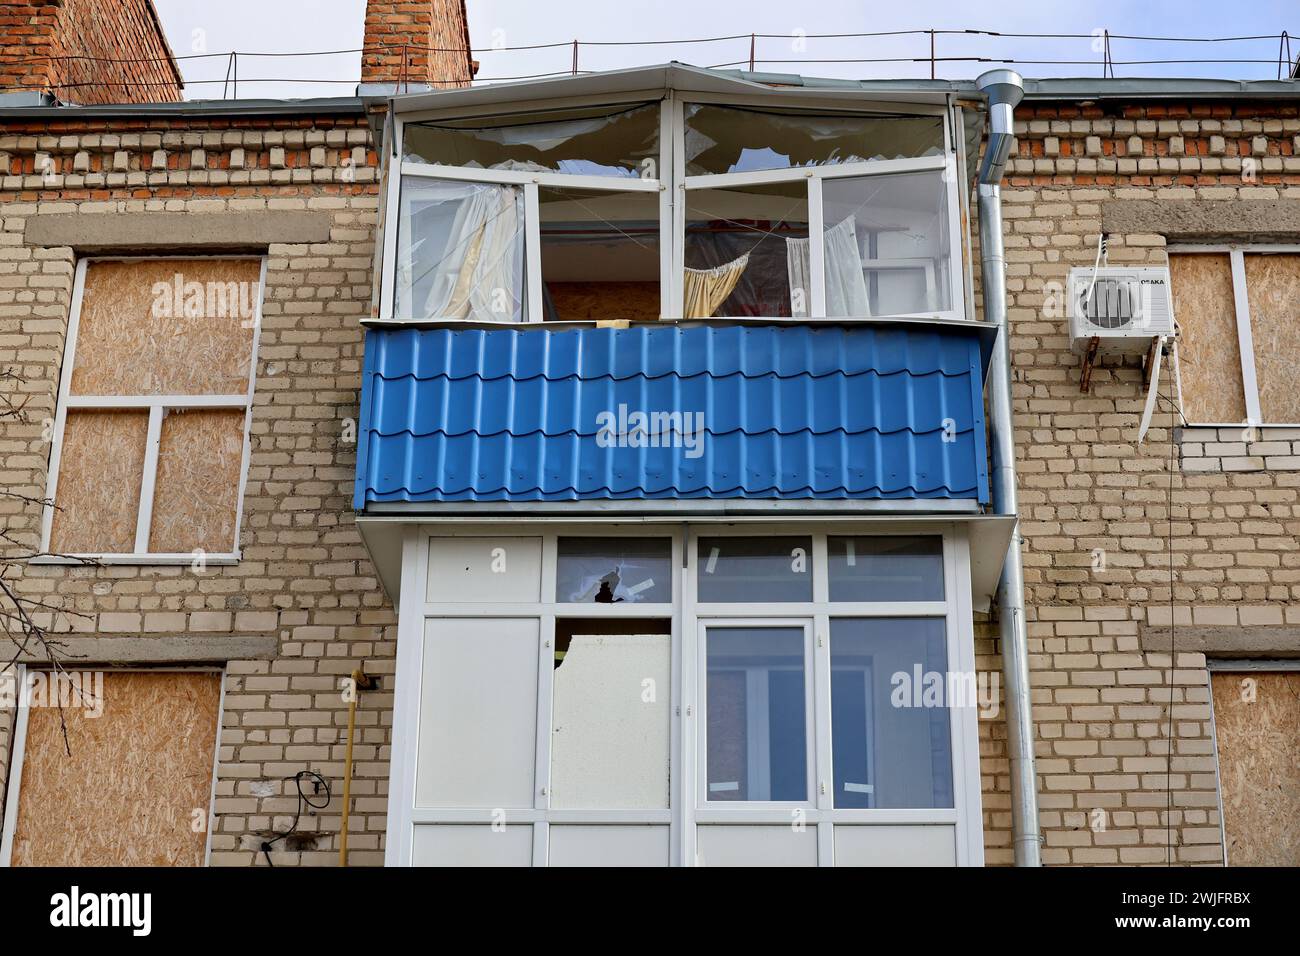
[1004, 90]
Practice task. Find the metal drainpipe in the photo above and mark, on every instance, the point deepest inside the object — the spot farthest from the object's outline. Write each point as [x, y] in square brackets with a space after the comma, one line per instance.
[1004, 89]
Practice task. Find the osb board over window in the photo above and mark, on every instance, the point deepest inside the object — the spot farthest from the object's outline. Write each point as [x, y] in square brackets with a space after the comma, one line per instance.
[166, 327]
[1257, 729]
[128, 793]
[100, 468]
[1208, 352]
[200, 458]
[1273, 291]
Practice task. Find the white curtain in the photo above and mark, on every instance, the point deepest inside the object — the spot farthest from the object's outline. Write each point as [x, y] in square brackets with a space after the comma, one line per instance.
[846, 285]
[460, 251]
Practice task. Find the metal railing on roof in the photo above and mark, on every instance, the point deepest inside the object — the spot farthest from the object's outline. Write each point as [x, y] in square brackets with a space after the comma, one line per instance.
[1266, 50]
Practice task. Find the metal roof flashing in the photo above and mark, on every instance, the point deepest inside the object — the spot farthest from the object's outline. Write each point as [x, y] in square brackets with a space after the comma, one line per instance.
[680, 77]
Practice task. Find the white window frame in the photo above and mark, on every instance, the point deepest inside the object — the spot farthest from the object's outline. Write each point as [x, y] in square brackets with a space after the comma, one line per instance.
[1237, 253]
[816, 176]
[156, 406]
[671, 185]
[531, 183]
[688, 804]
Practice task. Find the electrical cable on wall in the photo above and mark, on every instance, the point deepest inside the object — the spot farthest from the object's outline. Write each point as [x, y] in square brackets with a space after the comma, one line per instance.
[1176, 407]
[319, 783]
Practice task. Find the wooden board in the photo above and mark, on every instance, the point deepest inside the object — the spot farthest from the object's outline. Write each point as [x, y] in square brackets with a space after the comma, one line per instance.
[166, 327]
[1259, 765]
[200, 454]
[98, 496]
[1273, 291]
[574, 301]
[1208, 351]
[128, 794]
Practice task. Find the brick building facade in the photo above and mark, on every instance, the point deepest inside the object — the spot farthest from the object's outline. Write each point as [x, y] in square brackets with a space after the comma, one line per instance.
[302, 608]
[1096, 505]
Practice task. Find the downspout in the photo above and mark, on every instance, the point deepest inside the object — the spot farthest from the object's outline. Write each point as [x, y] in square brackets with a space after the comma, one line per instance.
[1004, 89]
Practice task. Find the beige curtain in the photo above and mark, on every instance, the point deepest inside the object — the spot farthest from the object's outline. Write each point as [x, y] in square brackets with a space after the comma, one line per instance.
[706, 289]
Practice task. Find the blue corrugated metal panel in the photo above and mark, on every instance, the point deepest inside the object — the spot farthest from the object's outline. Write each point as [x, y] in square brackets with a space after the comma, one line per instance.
[788, 412]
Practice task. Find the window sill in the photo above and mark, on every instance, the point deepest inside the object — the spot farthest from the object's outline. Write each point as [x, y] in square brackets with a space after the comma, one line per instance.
[939, 318]
[139, 560]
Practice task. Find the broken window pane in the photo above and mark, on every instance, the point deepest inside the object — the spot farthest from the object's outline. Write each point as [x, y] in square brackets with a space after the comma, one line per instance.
[610, 734]
[595, 141]
[614, 571]
[600, 255]
[755, 570]
[460, 251]
[742, 249]
[757, 731]
[887, 245]
[732, 139]
[890, 700]
[877, 568]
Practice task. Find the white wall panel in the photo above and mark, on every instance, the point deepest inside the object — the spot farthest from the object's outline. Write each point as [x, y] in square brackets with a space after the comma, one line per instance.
[485, 569]
[478, 713]
[609, 845]
[472, 845]
[746, 845]
[925, 845]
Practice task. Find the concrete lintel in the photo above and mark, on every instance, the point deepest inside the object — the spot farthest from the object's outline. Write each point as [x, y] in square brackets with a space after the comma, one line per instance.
[74, 651]
[1224, 640]
[177, 232]
[1235, 219]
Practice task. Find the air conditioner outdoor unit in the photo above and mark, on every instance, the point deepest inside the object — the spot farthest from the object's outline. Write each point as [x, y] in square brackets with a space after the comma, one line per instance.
[1123, 309]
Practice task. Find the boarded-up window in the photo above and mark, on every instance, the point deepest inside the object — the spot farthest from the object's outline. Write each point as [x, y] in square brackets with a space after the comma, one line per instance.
[1219, 297]
[1273, 291]
[1257, 732]
[132, 785]
[153, 407]
[1208, 354]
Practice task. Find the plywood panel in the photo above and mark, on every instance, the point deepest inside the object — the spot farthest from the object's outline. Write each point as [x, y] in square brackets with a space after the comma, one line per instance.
[98, 495]
[1273, 290]
[574, 301]
[1208, 350]
[137, 773]
[610, 741]
[200, 458]
[478, 714]
[1257, 730]
[166, 327]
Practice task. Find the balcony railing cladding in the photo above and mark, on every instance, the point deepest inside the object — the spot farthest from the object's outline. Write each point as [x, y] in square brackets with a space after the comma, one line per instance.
[729, 412]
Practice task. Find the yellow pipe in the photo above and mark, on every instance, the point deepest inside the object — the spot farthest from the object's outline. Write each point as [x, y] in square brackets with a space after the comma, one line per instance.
[347, 767]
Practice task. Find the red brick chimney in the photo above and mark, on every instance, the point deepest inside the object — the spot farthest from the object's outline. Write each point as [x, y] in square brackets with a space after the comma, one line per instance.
[417, 43]
[87, 51]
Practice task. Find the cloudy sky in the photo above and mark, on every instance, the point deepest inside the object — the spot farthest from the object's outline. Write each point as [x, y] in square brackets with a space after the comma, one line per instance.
[198, 29]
